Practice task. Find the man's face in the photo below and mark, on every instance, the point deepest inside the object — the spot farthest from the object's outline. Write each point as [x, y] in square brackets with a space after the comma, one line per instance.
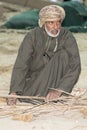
[53, 26]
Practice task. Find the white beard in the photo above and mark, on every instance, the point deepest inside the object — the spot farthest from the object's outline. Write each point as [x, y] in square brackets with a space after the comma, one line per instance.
[50, 34]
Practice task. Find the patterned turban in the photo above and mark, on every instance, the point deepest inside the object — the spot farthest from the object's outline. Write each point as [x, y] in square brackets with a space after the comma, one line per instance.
[51, 13]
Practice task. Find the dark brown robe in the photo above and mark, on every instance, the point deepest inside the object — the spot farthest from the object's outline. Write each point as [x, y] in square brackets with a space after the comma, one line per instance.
[39, 66]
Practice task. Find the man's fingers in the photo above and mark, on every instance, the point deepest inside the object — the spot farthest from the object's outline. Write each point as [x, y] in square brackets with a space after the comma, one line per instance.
[47, 97]
[11, 101]
[52, 95]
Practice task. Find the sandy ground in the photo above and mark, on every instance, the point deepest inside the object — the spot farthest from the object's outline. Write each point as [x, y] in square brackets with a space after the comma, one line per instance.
[10, 41]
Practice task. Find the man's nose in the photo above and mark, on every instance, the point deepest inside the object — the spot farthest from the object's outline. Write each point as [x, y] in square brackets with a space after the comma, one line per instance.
[55, 26]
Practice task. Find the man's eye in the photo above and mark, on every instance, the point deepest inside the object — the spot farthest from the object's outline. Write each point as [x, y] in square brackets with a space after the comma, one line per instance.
[50, 22]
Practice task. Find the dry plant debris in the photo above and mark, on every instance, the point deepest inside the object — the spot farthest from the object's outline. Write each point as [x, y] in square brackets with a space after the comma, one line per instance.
[29, 112]
[23, 117]
[84, 111]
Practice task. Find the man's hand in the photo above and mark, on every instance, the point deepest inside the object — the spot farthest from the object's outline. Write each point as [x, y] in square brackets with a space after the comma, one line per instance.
[12, 100]
[53, 95]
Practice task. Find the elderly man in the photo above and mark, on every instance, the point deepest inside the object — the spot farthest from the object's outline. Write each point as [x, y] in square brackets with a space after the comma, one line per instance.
[48, 59]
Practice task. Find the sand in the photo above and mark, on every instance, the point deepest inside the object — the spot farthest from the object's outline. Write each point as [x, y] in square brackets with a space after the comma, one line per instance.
[10, 41]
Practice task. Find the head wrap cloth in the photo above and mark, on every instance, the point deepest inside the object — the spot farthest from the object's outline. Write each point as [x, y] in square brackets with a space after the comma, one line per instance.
[51, 13]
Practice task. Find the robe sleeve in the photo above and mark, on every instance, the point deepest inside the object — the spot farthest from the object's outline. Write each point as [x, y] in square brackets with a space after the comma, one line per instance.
[21, 65]
[70, 78]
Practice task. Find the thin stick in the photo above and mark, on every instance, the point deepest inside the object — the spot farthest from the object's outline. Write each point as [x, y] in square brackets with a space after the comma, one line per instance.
[25, 97]
[62, 91]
